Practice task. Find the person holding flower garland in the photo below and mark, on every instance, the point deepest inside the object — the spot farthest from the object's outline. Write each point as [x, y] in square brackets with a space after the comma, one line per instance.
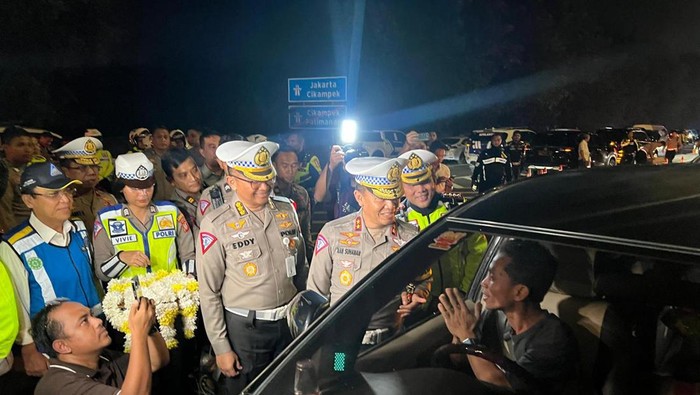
[140, 236]
[251, 261]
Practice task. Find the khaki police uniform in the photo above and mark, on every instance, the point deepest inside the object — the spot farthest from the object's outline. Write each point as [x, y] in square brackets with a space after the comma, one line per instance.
[213, 197]
[164, 189]
[346, 250]
[9, 200]
[188, 206]
[250, 265]
[301, 199]
[86, 206]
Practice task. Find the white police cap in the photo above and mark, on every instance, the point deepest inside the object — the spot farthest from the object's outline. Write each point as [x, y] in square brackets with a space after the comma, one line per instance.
[251, 159]
[417, 169]
[135, 170]
[380, 175]
[82, 150]
[92, 133]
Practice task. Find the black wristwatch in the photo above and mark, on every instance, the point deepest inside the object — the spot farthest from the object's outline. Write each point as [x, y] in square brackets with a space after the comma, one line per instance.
[470, 341]
[154, 330]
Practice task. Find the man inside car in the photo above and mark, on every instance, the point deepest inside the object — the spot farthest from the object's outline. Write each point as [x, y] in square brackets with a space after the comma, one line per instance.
[538, 341]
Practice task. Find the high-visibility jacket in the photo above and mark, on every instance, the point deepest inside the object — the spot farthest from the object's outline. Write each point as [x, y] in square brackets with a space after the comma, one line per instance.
[9, 315]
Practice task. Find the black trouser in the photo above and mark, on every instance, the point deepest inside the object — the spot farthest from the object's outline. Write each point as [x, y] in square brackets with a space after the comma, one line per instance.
[257, 343]
[516, 171]
[670, 154]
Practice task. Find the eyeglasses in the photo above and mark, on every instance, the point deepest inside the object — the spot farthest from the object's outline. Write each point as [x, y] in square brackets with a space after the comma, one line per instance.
[55, 195]
[85, 168]
[256, 184]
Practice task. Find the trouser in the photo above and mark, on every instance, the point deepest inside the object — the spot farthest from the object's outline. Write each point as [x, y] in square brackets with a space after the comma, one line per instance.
[257, 343]
[670, 154]
[516, 171]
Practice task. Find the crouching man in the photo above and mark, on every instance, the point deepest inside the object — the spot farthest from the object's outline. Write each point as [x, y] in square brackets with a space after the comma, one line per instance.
[80, 363]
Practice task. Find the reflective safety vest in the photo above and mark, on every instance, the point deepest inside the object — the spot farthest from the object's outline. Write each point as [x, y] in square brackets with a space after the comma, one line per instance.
[53, 271]
[158, 242]
[106, 165]
[422, 221]
[8, 313]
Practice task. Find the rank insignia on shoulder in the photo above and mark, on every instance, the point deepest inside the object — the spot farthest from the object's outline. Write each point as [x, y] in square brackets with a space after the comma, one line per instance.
[241, 208]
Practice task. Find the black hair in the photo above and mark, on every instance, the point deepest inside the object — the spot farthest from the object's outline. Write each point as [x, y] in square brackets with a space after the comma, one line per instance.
[531, 265]
[45, 330]
[173, 159]
[207, 133]
[284, 148]
[161, 127]
[436, 145]
[231, 137]
[13, 132]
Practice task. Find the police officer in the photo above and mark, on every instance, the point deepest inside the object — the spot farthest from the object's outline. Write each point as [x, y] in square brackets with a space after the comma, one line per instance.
[251, 262]
[286, 164]
[493, 167]
[18, 149]
[516, 151]
[161, 145]
[48, 255]
[79, 161]
[140, 236]
[216, 195]
[350, 247]
[182, 172]
[105, 157]
[140, 139]
[309, 165]
[457, 268]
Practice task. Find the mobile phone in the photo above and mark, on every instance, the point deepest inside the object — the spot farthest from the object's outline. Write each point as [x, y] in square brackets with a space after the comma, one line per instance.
[136, 287]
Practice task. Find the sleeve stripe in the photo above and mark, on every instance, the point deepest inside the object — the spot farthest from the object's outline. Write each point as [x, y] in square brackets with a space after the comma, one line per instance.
[113, 267]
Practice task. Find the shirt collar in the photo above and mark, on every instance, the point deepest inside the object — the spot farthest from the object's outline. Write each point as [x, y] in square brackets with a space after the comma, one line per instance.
[45, 232]
[78, 369]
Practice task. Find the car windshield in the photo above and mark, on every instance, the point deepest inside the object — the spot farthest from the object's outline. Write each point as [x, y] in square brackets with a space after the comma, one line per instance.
[616, 135]
[369, 136]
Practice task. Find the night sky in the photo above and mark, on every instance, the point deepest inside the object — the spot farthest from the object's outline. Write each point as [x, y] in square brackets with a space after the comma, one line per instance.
[450, 66]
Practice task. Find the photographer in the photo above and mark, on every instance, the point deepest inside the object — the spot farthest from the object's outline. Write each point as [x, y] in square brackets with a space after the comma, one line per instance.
[80, 362]
[334, 186]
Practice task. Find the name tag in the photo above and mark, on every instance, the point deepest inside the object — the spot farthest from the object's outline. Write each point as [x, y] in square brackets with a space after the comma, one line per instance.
[160, 234]
[123, 239]
[291, 264]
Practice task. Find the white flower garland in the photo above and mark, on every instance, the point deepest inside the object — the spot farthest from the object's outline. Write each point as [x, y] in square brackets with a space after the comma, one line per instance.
[174, 294]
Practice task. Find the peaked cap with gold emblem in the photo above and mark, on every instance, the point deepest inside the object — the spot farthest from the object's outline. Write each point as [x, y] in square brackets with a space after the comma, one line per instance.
[417, 169]
[82, 150]
[381, 175]
[135, 170]
[251, 159]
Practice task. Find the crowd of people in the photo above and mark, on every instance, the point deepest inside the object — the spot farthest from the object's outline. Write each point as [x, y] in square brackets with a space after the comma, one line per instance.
[232, 212]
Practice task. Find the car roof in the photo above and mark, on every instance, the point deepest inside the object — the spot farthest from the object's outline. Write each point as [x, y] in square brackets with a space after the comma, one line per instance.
[644, 210]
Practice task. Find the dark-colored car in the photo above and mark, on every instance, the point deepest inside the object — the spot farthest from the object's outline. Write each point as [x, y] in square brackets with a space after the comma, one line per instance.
[627, 284]
[559, 148]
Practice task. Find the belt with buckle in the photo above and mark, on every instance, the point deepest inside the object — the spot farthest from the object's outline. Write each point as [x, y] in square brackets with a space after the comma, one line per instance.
[374, 336]
[265, 315]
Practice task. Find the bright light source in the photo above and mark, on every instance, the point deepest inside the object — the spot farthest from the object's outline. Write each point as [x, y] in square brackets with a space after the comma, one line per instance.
[348, 131]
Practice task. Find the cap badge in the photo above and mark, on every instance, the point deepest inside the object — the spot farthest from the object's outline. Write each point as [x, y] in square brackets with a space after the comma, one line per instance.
[90, 147]
[393, 174]
[414, 162]
[141, 173]
[262, 157]
[54, 172]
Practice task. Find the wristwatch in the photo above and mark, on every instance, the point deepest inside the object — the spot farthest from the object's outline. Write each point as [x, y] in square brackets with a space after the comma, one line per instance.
[470, 341]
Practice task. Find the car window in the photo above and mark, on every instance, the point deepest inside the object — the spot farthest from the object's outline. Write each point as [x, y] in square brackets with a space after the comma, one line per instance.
[370, 137]
[451, 140]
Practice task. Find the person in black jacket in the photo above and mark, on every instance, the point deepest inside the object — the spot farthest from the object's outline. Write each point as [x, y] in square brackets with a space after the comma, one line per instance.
[493, 168]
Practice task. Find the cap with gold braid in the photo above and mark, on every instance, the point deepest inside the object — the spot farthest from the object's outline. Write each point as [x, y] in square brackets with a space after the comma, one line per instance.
[382, 176]
[82, 150]
[417, 169]
[251, 159]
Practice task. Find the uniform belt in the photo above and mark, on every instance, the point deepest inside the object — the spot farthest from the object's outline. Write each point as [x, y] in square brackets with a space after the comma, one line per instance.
[265, 315]
[375, 336]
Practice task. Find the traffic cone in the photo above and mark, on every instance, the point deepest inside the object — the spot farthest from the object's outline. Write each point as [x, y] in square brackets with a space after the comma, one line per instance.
[682, 159]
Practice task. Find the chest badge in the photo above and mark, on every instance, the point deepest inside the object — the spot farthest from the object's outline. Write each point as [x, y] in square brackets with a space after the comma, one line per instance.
[250, 269]
[345, 278]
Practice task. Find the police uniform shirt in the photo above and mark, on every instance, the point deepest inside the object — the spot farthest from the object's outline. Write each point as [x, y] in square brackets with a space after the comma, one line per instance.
[86, 206]
[12, 208]
[248, 261]
[345, 253]
[107, 262]
[188, 205]
[209, 177]
[303, 205]
[164, 189]
[213, 197]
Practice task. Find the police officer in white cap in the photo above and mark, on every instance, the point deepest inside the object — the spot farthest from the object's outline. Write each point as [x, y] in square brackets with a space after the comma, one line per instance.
[348, 248]
[140, 235]
[251, 262]
[79, 161]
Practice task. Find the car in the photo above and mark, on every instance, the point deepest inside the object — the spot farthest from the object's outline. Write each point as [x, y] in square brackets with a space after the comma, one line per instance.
[397, 139]
[627, 285]
[457, 148]
[375, 143]
[626, 149]
[558, 148]
[481, 139]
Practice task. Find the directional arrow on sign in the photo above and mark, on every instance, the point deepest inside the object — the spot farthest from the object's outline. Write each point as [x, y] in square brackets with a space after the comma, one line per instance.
[297, 90]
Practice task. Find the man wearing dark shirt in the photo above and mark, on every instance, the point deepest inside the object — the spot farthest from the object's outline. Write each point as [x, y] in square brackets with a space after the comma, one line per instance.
[518, 279]
[76, 341]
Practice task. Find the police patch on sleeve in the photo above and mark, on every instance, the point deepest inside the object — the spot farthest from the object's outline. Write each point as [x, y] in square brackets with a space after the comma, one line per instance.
[206, 240]
[203, 205]
[321, 244]
[96, 228]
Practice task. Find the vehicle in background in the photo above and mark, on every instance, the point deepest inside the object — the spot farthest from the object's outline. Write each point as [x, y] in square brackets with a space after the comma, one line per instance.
[558, 148]
[655, 132]
[375, 144]
[397, 139]
[481, 139]
[619, 140]
[457, 148]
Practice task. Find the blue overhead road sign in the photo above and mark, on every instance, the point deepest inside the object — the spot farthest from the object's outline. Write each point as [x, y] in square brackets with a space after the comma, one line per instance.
[316, 117]
[317, 89]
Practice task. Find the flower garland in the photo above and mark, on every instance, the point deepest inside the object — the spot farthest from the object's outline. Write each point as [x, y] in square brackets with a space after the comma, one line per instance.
[174, 294]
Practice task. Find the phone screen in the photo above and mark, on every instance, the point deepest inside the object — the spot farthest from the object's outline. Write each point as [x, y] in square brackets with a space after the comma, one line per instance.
[136, 287]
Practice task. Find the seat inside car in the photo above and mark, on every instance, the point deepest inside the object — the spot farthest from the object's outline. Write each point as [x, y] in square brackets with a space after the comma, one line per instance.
[598, 329]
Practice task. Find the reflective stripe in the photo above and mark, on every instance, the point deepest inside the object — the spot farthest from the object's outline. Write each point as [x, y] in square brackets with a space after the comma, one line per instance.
[501, 160]
[265, 315]
[42, 278]
[488, 161]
